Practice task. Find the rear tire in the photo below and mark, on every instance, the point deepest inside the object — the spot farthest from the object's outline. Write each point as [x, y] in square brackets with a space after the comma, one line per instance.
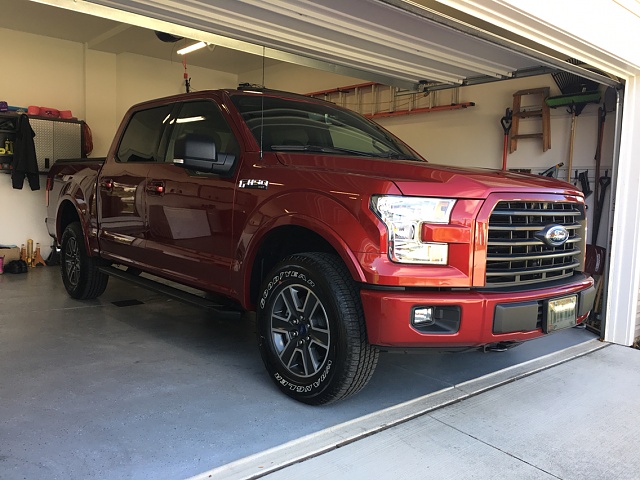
[80, 274]
[311, 330]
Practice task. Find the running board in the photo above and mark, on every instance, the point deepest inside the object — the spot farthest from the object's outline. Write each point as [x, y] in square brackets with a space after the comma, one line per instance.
[173, 292]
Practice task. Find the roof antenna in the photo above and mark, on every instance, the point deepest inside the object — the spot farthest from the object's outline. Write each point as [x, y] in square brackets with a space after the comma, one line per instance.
[262, 106]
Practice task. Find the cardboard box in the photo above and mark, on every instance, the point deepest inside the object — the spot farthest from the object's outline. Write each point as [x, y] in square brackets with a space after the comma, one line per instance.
[10, 254]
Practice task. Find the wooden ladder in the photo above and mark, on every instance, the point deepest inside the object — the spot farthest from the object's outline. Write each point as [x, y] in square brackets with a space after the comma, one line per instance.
[527, 112]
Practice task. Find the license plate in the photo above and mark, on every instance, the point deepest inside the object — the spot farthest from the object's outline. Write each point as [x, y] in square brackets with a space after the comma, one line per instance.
[561, 313]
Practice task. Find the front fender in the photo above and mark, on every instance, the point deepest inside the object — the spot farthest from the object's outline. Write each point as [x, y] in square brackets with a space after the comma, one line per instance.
[342, 220]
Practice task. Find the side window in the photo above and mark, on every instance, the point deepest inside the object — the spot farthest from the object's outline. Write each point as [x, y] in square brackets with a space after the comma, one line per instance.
[204, 118]
[142, 135]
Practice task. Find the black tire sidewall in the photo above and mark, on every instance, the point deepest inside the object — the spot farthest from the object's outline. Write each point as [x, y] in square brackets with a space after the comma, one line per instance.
[323, 382]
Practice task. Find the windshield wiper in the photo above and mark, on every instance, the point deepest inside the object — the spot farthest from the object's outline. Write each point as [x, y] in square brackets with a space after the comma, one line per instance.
[318, 148]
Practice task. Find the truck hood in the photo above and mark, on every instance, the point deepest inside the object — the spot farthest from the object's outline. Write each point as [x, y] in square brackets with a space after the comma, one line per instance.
[428, 179]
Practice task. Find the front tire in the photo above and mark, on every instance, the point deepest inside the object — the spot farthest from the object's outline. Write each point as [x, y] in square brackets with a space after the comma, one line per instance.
[80, 274]
[311, 330]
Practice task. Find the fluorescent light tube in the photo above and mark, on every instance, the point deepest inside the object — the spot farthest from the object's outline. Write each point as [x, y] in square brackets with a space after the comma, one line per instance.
[191, 48]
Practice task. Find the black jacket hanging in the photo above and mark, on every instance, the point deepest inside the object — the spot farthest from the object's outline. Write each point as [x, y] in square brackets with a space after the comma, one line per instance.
[25, 162]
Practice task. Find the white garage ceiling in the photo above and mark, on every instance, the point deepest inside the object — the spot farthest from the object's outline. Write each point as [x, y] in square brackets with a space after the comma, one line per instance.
[393, 41]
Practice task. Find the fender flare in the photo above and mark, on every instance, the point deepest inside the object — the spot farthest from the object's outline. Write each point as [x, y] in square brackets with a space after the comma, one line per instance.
[82, 212]
[314, 216]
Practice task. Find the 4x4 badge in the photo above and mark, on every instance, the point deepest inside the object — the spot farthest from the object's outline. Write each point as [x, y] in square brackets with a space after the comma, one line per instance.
[553, 235]
[252, 183]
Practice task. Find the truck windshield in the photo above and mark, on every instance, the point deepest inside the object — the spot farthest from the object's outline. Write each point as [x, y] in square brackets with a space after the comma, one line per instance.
[282, 124]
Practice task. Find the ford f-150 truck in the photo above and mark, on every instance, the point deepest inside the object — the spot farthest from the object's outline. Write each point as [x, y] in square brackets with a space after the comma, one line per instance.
[340, 237]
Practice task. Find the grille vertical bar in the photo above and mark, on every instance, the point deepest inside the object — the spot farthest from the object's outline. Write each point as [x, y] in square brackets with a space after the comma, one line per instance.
[516, 257]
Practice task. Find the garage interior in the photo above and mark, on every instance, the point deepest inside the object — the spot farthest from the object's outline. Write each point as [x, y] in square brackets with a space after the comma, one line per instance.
[132, 383]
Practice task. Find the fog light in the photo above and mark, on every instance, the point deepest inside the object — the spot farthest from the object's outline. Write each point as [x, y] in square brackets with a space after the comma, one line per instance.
[423, 316]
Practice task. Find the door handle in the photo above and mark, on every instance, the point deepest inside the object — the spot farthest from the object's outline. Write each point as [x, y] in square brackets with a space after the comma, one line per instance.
[155, 187]
[106, 184]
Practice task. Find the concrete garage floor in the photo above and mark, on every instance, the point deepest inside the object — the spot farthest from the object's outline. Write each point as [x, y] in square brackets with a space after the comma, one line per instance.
[159, 389]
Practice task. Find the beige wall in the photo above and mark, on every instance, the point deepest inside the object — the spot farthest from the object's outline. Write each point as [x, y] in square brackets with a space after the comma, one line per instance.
[296, 79]
[42, 71]
[142, 78]
[474, 136]
[102, 114]
[97, 87]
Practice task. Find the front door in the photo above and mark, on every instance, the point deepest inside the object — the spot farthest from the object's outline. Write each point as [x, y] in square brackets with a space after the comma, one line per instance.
[190, 214]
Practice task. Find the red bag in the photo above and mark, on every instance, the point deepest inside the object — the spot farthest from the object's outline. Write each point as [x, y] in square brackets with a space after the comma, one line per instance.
[87, 140]
[49, 112]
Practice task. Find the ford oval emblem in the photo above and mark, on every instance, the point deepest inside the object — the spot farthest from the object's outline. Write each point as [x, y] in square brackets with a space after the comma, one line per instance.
[553, 235]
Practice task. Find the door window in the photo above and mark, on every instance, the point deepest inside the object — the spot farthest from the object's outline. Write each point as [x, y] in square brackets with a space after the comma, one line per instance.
[204, 118]
[142, 136]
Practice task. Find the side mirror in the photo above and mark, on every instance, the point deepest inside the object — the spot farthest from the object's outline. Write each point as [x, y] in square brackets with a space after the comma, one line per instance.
[198, 152]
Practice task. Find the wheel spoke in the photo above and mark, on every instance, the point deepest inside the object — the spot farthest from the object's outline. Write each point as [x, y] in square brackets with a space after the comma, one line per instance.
[310, 306]
[291, 300]
[72, 261]
[309, 364]
[288, 353]
[320, 337]
[280, 324]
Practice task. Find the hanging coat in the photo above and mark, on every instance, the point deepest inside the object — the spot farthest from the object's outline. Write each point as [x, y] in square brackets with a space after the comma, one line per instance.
[25, 162]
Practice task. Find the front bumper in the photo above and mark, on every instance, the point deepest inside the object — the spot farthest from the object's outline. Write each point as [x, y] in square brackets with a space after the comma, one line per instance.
[485, 317]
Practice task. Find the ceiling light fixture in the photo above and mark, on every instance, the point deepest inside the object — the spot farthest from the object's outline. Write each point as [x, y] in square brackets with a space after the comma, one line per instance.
[191, 48]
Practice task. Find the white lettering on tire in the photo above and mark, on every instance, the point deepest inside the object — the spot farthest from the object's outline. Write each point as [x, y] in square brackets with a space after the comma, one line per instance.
[303, 388]
[278, 278]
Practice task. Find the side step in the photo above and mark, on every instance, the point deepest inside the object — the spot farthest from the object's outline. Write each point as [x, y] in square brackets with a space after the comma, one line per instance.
[213, 304]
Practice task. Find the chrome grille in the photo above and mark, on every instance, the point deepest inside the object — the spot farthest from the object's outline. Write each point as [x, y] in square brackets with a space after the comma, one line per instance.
[516, 257]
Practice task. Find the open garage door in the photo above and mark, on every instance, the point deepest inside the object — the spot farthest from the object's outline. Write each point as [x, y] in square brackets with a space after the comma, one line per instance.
[393, 42]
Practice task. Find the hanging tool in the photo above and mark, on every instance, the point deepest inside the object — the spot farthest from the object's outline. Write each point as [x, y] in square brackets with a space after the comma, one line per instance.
[604, 182]
[602, 115]
[575, 103]
[552, 171]
[572, 138]
[583, 178]
[506, 126]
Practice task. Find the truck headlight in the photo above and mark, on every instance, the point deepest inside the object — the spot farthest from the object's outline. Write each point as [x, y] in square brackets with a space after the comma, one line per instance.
[403, 217]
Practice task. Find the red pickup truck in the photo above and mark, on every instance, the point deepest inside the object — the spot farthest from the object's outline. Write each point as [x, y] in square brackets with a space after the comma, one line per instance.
[340, 237]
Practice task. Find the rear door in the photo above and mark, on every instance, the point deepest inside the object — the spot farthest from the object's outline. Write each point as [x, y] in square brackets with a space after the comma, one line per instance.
[190, 213]
[122, 186]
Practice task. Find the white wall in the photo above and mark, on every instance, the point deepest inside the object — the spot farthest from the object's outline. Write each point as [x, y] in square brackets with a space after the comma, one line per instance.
[97, 87]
